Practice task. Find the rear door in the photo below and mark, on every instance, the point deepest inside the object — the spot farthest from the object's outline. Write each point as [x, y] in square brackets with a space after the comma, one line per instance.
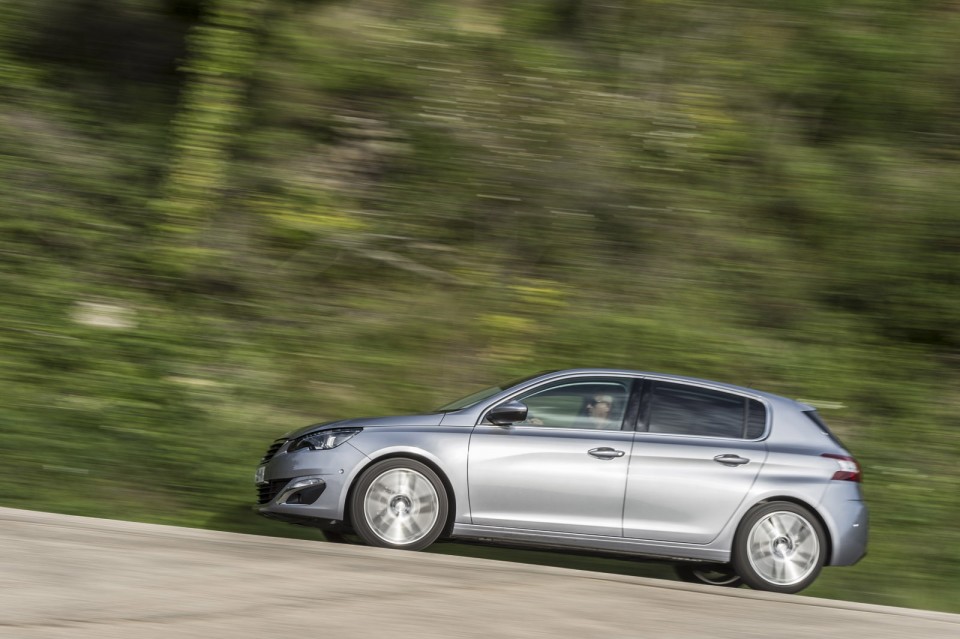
[697, 453]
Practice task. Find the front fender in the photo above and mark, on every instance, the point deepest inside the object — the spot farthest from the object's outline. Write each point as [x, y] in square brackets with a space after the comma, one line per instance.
[443, 449]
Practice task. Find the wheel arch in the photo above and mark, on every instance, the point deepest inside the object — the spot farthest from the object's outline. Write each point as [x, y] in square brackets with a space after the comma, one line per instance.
[423, 459]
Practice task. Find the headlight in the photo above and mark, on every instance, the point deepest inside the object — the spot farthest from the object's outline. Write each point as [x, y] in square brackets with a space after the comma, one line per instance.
[324, 440]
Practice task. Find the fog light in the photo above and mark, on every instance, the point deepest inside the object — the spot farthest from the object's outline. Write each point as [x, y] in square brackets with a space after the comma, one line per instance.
[303, 491]
[303, 483]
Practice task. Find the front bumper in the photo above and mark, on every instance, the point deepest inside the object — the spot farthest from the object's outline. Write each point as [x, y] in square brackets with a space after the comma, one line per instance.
[307, 486]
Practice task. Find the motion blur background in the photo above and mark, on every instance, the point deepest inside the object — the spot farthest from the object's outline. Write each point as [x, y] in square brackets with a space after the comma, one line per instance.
[222, 220]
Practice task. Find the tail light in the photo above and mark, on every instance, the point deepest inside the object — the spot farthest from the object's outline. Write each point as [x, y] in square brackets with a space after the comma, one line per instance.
[847, 468]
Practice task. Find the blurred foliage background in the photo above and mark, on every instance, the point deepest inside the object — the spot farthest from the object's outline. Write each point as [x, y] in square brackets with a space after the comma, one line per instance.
[223, 219]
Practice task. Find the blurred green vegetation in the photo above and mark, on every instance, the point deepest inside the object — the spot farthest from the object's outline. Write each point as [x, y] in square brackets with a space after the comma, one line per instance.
[222, 220]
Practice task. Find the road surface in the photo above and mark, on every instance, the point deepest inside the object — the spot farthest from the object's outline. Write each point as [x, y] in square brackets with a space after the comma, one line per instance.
[78, 578]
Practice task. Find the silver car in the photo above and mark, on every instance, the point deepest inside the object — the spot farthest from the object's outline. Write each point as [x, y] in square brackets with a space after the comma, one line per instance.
[734, 485]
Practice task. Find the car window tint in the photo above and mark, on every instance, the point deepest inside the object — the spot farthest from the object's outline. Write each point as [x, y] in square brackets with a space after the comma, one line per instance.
[688, 410]
[756, 419]
[595, 404]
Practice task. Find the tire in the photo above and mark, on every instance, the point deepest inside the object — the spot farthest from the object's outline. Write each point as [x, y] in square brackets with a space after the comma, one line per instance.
[780, 547]
[709, 574]
[399, 503]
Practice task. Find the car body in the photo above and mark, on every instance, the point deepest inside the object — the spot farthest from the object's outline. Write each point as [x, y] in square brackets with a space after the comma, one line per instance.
[737, 484]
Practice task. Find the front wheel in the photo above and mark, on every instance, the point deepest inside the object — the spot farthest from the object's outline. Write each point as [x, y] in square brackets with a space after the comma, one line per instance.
[709, 574]
[399, 503]
[780, 547]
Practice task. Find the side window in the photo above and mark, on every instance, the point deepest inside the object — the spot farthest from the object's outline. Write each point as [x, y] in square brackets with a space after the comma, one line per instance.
[678, 409]
[756, 419]
[597, 404]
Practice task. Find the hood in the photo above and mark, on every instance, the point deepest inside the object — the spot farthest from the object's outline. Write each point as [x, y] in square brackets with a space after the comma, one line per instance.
[432, 419]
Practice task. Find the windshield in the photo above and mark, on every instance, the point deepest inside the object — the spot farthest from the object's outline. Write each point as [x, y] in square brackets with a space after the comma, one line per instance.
[479, 396]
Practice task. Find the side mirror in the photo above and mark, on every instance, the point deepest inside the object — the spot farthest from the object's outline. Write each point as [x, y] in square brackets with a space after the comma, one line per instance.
[506, 414]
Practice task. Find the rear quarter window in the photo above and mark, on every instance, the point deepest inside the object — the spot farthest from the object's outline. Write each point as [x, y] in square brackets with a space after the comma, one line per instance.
[756, 419]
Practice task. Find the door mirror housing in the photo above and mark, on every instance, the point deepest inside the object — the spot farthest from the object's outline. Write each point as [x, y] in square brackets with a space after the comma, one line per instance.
[507, 414]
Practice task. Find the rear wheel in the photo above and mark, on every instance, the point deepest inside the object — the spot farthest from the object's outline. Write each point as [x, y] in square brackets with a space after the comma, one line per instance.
[780, 547]
[399, 503]
[709, 574]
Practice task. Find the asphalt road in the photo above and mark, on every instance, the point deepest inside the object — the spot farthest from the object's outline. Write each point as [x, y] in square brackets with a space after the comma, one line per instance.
[77, 578]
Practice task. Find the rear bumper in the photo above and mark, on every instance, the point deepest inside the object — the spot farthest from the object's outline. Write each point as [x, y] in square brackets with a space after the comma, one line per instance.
[848, 523]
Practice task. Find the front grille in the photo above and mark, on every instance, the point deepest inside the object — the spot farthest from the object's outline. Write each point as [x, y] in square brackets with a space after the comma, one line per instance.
[272, 450]
[268, 491]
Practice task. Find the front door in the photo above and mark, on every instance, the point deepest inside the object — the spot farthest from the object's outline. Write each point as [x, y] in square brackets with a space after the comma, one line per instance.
[564, 469]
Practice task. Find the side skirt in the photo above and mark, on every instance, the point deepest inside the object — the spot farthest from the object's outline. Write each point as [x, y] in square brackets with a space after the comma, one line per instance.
[613, 545]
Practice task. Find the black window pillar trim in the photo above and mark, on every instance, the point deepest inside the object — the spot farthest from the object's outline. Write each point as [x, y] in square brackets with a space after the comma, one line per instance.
[645, 404]
[746, 417]
[633, 406]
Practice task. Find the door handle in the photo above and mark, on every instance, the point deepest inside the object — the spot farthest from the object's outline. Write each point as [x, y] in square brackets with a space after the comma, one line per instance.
[731, 460]
[605, 453]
